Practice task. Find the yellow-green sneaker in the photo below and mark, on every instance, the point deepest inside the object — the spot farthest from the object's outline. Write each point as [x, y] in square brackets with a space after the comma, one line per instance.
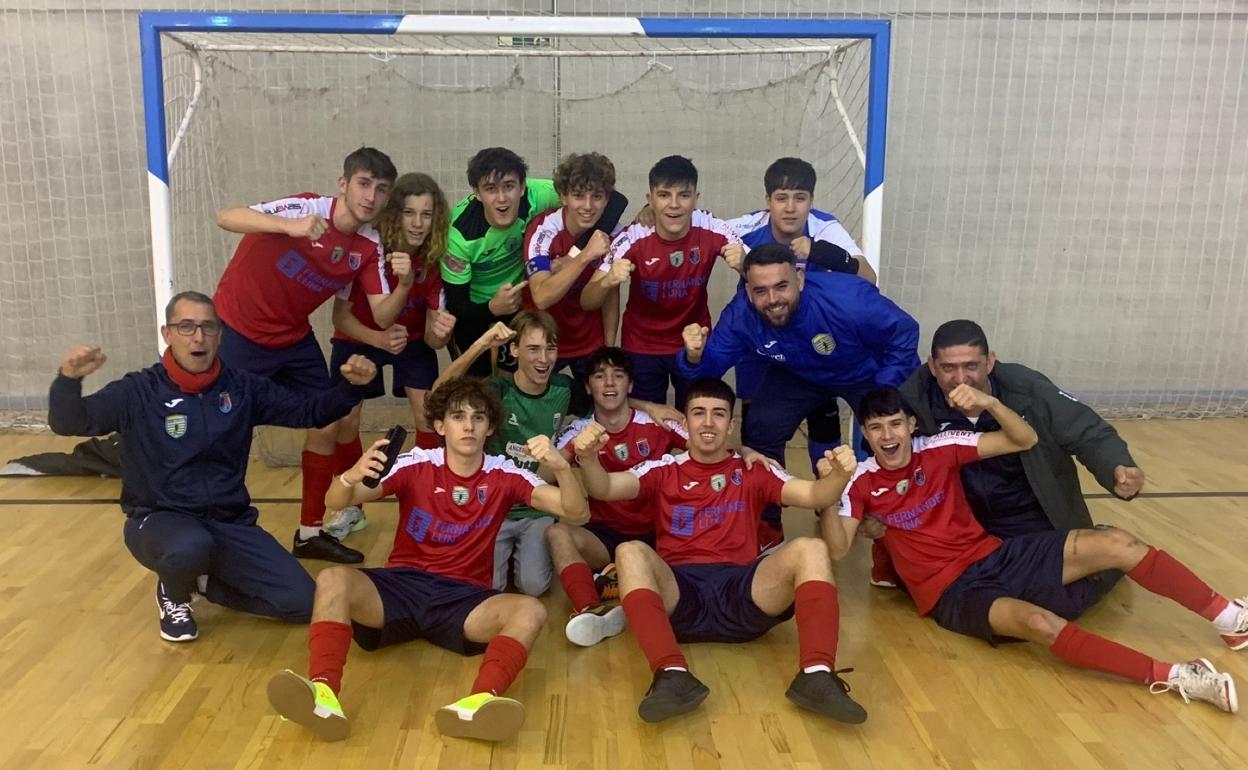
[311, 704]
[483, 716]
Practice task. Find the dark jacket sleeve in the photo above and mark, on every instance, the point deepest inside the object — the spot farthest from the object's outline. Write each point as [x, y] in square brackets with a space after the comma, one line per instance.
[830, 258]
[275, 405]
[70, 414]
[890, 333]
[723, 348]
[1080, 431]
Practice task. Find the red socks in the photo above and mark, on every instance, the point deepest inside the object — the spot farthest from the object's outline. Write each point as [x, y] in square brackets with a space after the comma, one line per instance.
[818, 615]
[347, 454]
[1087, 650]
[318, 472]
[504, 659]
[653, 629]
[1166, 576]
[328, 644]
[578, 584]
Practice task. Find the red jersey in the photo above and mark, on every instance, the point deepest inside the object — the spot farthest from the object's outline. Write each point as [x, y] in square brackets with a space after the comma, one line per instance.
[424, 293]
[580, 331]
[641, 440]
[932, 534]
[707, 513]
[448, 523]
[667, 288]
[274, 282]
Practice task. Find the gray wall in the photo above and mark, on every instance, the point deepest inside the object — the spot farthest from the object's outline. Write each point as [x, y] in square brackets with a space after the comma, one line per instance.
[1072, 174]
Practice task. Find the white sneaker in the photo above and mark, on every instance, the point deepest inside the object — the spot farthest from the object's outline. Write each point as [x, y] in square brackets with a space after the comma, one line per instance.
[1237, 638]
[1200, 680]
[593, 624]
[343, 522]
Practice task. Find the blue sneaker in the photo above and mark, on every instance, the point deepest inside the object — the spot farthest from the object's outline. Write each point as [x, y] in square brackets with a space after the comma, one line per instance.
[177, 624]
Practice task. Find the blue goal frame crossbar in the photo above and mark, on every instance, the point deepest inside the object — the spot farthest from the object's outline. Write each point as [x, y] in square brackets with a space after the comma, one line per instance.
[152, 24]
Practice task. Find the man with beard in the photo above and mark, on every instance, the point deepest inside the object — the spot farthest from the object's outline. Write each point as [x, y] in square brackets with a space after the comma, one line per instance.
[824, 334]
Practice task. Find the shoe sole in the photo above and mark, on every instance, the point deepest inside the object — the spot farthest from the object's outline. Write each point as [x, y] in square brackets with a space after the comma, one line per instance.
[848, 712]
[883, 583]
[1240, 642]
[291, 697]
[1228, 686]
[356, 558]
[179, 639]
[658, 712]
[587, 629]
[497, 720]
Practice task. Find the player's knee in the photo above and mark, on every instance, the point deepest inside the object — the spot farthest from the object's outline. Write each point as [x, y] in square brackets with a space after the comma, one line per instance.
[527, 619]
[186, 554]
[558, 534]
[632, 556]
[333, 581]
[1045, 626]
[1119, 542]
[809, 550]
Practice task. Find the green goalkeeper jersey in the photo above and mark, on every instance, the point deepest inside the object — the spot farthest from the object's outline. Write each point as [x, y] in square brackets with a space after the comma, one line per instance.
[487, 257]
[526, 416]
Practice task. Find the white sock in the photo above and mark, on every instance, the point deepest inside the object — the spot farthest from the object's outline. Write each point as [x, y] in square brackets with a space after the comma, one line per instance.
[306, 533]
[1174, 671]
[676, 668]
[817, 667]
[1225, 621]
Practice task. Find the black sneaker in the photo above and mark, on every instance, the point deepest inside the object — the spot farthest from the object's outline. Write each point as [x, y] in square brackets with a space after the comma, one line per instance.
[607, 583]
[177, 624]
[671, 693]
[325, 547]
[824, 692]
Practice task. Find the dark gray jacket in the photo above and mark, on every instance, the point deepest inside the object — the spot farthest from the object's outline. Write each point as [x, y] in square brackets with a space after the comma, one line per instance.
[1065, 427]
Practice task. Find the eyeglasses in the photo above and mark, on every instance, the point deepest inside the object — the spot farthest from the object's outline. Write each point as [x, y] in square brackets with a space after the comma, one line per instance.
[188, 328]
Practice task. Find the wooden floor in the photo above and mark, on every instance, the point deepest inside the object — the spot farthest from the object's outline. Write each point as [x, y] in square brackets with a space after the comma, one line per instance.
[87, 682]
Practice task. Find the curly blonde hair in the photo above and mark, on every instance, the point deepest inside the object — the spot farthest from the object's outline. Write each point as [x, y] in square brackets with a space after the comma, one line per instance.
[390, 222]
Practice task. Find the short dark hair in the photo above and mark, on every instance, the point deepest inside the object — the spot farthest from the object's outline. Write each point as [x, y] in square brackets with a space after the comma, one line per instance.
[789, 174]
[495, 163]
[190, 296]
[673, 170]
[769, 254]
[585, 172]
[608, 355]
[959, 331]
[709, 387]
[371, 160]
[882, 402]
[461, 392]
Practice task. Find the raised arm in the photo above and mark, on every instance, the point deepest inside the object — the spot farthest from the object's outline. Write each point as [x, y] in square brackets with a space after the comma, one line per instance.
[836, 530]
[827, 490]
[711, 353]
[69, 413]
[1015, 434]
[348, 489]
[548, 286]
[496, 336]
[599, 484]
[1083, 433]
[275, 405]
[386, 307]
[292, 220]
[567, 500]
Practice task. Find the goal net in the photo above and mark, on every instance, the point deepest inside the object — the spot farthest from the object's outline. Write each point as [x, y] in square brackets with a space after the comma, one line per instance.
[250, 116]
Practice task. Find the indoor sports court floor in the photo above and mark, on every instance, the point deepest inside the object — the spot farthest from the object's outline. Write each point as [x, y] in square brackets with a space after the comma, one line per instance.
[87, 682]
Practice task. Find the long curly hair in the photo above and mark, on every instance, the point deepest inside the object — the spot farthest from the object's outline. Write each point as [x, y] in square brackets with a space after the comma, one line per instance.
[390, 222]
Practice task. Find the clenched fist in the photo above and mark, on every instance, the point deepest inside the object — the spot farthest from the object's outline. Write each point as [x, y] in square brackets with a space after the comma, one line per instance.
[393, 339]
[542, 449]
[401, 265]
[591, 438]
[442, 326]
[358, 370]
[800, 247]
[621, 269]
[733, 254]
[1128, 481]
[79, 361]
[599, 244]
[496, 336]
[695, 336]
[507, 299]
[840, 458]
[311, 227]
[369, 465]
[966, 399]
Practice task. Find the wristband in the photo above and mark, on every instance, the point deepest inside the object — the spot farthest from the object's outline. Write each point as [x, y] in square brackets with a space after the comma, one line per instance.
[343, 481]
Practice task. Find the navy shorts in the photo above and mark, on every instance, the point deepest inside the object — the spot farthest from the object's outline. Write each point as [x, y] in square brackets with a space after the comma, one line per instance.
[300, 367]
[416, 367]
[611, 538]
[421, 605]
[582, 404]
[716, 606]
[1029, 568]
[651, 374]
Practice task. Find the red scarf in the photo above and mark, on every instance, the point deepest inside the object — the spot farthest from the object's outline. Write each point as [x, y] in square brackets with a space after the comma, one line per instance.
[187, 382]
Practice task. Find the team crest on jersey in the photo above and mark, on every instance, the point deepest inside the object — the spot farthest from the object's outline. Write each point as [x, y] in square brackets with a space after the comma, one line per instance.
[919, 477]
[823, 344]
[482, 491]
[736, 477]
[718, 482]
[643, 447]
[175, 425]
[453, 263]
[335, 256]
[677, 258]
[695, 255]
[224, 403]
[459, 495]
[621, 451]
[902, 486]
[354, 259]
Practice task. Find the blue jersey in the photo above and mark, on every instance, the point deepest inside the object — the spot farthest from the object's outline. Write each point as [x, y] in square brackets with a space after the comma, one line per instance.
[844, 334]
[188, 453]
[831, 248]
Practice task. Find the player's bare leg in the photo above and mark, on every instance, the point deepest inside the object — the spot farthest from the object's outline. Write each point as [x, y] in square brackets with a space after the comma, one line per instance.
[508, 624]
[343, 595]
[573, 551]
